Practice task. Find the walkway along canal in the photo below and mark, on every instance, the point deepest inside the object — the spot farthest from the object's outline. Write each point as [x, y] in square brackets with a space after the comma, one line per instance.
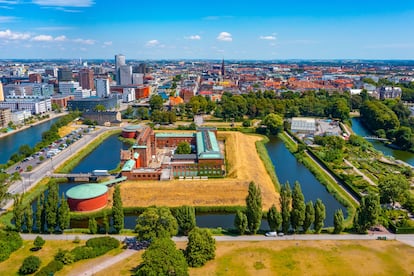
[361, 130]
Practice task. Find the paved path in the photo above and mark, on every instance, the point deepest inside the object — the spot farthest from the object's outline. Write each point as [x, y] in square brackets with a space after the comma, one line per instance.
[105, 264]
[366, 178]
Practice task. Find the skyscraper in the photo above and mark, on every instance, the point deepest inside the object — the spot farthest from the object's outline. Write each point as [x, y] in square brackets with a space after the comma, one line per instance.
[125, 75]
[86, 78]
[119, 61]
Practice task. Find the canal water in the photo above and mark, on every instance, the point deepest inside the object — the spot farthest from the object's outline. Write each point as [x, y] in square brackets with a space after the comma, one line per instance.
[30, 136]
[361, 130]
[106, 156]
[289, 169]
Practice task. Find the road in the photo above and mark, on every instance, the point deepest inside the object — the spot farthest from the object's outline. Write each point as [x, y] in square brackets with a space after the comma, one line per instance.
[30, 179]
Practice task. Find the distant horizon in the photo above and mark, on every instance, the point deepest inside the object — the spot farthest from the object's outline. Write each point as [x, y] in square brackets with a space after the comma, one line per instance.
[235, 30]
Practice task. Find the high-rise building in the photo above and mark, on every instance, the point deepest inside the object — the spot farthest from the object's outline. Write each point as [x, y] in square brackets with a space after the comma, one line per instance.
[119, 61]
[64, 74]
[1, 92]
[51, 71]
[125, 75]
[137, 78]
[102, 87]
[86, 79]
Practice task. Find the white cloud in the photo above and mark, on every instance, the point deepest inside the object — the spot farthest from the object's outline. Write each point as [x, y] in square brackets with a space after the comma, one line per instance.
[84, 41]
[215, 17]
[108, 43]
[5, 19]
[193, 37]
[65, 3]
[60, 38]
[43, 38]
[7, 34]
[9, 2]
[268, 37]
[54, 28]
[152, 43]
[225, 36]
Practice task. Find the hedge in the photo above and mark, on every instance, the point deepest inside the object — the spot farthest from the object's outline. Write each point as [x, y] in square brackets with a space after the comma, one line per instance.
[50, 268]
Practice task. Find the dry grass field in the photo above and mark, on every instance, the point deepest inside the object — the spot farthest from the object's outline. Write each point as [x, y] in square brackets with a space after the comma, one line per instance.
[243, 165]
[297, 258]
[65, 130]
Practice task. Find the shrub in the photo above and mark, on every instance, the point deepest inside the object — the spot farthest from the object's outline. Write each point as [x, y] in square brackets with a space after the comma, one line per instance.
[30, 265]
[82, 253]
[50, 269]
[4, 250]
[64, 256]
[103, 242]
[9, 242]
[38, 242]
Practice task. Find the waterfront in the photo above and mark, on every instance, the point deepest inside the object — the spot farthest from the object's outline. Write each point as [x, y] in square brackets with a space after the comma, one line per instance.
[361, 130]
[30, 136]
[289, 169]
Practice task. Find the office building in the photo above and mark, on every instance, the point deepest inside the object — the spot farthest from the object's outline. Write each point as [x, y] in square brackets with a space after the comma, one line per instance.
[68, 87]
[138, 78]
[33, 104]
[5, 117]
[86, 79]
[119, 61]
[36, 78]
[102, 87]
[125, 75]
[89, 104]
[18, 117]
[64, 74]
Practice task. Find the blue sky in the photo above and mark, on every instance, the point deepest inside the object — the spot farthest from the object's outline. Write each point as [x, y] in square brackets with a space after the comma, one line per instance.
[207, 30]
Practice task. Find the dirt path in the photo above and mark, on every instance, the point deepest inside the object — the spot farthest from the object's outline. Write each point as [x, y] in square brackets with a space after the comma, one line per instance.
[366, 178]
[91, 269]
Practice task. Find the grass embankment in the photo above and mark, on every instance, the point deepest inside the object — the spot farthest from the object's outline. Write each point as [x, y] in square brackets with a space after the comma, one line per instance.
[71, 163]
[28, 198]
[243, 166]
[331, 186]
[296, 258]
[267, 162]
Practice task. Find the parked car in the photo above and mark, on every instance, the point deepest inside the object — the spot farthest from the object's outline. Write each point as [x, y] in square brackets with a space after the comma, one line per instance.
[271, 234]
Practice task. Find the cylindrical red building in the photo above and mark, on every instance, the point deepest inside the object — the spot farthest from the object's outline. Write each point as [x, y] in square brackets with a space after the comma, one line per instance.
[130, 131]
[87, 197]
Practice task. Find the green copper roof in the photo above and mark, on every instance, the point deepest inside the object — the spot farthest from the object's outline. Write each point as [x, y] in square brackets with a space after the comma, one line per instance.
[173, 134]
[207, 146]
[85, 191]
[128, 166]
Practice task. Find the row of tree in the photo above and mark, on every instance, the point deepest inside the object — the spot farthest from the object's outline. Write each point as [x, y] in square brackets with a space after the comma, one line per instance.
[294, 213]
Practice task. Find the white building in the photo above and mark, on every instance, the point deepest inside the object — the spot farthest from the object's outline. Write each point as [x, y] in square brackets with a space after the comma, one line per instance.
[68, 87]
[18, 117]
[125, 75]
[102, 87]
[303, 125]
[128, 95]
[80, 93]
[33, 104]
[138, 78]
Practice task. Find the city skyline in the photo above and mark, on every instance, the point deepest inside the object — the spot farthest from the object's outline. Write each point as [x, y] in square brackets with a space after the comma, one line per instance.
[234, 30]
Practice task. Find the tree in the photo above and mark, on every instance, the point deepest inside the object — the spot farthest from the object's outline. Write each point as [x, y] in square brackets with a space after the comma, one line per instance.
[285, 203]
[183, 148]
[185, 216]
[92, 226]
[38, 242]
[240, 222]
[273, 123]
[254, 208]
[367, 213]
[201, 247]
[29, 218]
[143, 113]
[18, 212]
[338, 221]
[320, 215]
[64, 213]
[156, 102]
[156, 222]
[117, 210]
[99, 108]
[297, 215]
[162, 258]
[5, 181]
[51, 208]
[39, 213]
[30, 265]
[393, 188]
[105, 222]
[274, 218]
[309, 216]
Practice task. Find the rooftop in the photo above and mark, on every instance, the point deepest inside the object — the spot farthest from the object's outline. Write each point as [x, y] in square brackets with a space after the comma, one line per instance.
[86, 191]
